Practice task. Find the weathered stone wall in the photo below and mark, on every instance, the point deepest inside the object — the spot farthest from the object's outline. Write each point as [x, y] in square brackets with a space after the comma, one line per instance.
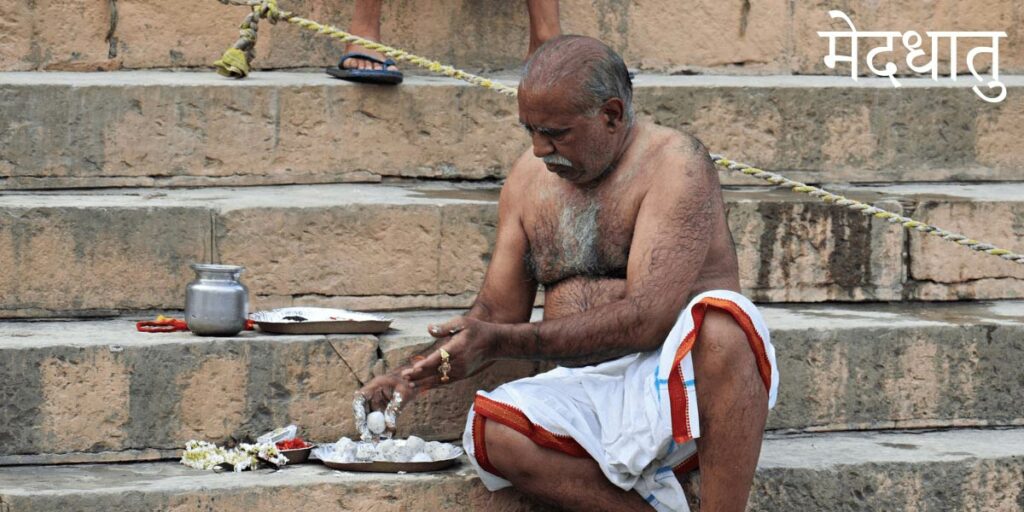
[858, 471]
[382, 247]
[155, 392]
[198, 129]
[401, 248]
[100, 388]
[733, 36]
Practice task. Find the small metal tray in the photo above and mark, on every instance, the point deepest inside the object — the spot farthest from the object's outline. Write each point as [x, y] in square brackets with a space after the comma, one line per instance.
[393, 467]
[301, 320]
[298, 455]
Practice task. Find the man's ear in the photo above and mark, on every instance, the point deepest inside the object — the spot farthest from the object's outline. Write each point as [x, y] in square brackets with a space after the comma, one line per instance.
[613, 112]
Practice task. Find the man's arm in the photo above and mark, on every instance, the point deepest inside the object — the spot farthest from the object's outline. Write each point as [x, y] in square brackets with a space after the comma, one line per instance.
[509, 289]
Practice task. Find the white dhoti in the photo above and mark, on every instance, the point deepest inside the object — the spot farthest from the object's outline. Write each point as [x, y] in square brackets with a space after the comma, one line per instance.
[635, 415]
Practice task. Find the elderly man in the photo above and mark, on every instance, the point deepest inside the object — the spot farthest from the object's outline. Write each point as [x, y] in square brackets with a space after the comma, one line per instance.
[662, 359]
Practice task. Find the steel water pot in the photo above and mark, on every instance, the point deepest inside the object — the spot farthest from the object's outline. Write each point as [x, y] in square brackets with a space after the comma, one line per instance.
[216, 302]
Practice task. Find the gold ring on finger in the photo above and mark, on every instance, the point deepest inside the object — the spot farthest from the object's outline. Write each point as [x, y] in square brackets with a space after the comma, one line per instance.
[446, 365]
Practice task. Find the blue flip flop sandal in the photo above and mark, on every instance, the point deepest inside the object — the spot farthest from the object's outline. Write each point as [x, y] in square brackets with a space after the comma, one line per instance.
[366, 76]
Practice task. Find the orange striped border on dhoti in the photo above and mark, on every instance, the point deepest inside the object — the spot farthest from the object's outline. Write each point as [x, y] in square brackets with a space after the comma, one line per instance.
[510, 416]
[678, 401]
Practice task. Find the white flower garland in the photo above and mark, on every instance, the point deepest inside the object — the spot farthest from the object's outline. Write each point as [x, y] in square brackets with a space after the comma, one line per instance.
[206, 456]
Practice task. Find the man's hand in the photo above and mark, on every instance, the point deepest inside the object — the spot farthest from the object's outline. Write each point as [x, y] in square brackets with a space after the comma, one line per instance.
[471, 347]
[379, 391]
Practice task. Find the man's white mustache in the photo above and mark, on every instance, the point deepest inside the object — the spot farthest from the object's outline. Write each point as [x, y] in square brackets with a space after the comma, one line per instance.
[557, 160]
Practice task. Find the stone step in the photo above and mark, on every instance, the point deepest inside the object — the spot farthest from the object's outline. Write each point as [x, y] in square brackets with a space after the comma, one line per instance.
[704, 35]
[151, 128]
[382, 247]
[100, 391]
[962, 469]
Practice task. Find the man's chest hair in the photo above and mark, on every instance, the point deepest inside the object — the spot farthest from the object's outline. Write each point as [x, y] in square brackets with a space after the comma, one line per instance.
[586, 237]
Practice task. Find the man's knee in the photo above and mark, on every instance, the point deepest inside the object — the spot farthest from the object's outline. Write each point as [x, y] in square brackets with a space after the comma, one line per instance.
[508, 451]
[722, 352]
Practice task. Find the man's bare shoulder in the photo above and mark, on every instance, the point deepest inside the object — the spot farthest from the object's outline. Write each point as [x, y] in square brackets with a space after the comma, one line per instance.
[675, 154]
[521, 178]
[524, 168]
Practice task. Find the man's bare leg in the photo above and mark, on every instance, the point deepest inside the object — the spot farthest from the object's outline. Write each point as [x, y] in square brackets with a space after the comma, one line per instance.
[544, 23]
[733, 407]
[365, 23]
[569, 482]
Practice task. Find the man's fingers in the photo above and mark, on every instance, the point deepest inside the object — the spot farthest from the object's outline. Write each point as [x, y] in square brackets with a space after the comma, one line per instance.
[409, 392]
[423, 367]
[380, 398]
[447, 328]
[427, 382]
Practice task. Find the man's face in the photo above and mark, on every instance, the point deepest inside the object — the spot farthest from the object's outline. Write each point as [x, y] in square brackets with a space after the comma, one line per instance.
[578, 146]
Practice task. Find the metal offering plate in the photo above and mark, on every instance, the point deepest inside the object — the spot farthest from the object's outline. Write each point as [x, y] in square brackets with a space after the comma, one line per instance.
[297, 455]
[393, 467]
[302, 320]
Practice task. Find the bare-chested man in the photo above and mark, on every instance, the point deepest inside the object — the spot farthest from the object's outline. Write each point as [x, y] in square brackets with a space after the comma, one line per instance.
[624, 224]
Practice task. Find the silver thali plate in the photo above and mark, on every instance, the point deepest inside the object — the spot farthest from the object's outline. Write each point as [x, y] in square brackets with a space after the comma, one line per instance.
[393, 467]
[305, 320]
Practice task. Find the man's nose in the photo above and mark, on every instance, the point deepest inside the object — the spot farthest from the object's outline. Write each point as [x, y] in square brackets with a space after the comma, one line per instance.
[542, 146]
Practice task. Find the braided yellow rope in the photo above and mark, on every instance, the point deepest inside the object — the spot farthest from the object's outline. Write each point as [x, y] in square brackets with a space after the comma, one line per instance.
[867, 209]
[235, 63]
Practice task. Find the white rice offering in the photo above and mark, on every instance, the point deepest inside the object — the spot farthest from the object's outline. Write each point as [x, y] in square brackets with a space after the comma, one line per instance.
[346, 448]
[441, 451]
[415, 445]
[412, 449]
[366, 451]
[375, 422]
[389, 450]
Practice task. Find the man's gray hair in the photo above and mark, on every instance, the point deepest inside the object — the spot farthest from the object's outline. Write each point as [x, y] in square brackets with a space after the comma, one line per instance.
[601, 72]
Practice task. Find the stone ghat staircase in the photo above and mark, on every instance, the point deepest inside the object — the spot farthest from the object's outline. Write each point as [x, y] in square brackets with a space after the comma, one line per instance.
[900, 356]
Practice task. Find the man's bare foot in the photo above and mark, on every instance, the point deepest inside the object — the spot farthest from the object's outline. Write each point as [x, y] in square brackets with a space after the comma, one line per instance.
[357, 63]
